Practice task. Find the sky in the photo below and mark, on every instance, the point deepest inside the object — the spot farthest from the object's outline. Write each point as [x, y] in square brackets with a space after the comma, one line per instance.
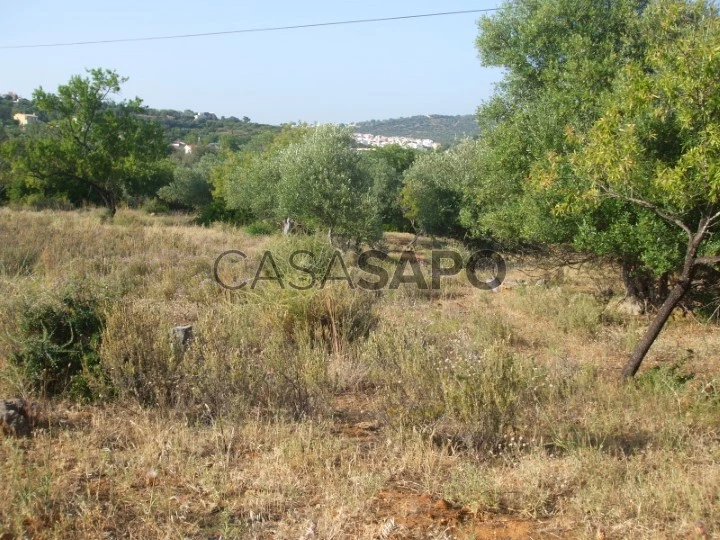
[338, 74]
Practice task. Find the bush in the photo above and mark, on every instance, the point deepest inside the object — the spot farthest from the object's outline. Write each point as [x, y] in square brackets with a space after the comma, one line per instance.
[332, 317]
[190, 187]
[155, 206]
[59, 339]
[217, 211]
[260, 228]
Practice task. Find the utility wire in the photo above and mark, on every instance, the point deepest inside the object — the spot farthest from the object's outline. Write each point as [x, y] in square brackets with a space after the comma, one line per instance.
[249, 30]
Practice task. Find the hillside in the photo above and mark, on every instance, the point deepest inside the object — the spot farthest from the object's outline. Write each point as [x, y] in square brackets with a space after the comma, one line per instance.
[442, 129]
[185, 125]
[207, 128]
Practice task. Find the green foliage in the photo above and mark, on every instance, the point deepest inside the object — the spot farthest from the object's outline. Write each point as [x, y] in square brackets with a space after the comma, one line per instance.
[217, 211]
[558, 68]
[91, 149]
[387, 165]
[667, 377]
[58, 340]
[249, 180]
[657, 141]
[603, 103]
[231, 133]
[260, 228]
[324, 185]
[155, 206]
[191, 186]
[314, 176]
[431, 196]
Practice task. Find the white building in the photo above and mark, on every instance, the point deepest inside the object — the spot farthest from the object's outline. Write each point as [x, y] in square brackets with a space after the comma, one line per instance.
[25, 119]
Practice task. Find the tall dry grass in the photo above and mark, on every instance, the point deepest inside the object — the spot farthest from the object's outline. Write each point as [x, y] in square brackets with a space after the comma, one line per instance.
[291, 412]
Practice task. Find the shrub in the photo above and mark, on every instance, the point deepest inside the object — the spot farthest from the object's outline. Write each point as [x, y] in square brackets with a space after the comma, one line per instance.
[217, 211]
[155, 206]
[260, 228]
[332, 317]
[190, 187]
[59, 338]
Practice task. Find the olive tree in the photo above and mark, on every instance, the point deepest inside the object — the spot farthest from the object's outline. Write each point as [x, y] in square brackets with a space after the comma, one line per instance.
[325, 185]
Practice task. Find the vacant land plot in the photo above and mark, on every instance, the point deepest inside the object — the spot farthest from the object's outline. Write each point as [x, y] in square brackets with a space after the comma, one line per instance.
[336, 413]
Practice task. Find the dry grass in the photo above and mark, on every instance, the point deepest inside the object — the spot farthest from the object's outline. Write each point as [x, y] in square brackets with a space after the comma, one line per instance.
[345, 414]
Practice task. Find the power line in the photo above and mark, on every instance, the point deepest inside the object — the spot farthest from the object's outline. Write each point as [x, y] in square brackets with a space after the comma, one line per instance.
[249, 30]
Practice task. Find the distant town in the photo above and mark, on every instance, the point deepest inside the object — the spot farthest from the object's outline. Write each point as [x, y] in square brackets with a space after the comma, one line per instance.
[368, 139]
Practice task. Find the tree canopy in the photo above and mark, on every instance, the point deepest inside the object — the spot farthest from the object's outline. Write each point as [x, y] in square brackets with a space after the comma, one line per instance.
[603, 136]
[92, 149]
[311, 175]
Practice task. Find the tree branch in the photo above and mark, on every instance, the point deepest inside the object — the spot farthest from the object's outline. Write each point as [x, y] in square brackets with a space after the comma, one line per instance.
[708, 261]
[713, 219]
[664, 215]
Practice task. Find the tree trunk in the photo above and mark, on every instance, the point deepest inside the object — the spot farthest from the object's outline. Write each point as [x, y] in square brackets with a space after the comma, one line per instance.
[109, 201]
[651, 334]
[631, 288]
[673, 299]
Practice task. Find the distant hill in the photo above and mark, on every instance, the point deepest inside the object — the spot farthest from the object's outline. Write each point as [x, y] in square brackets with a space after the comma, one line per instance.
[442, 129]
[206, 128]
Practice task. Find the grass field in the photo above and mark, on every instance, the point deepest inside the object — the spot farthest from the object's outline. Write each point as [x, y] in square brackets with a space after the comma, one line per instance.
[336, 413]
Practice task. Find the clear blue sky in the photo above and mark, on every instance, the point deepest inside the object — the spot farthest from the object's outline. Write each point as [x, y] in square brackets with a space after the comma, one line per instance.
[334, 74]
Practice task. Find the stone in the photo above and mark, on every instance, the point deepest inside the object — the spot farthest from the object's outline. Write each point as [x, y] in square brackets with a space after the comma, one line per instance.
[15, 417]
[181, 336]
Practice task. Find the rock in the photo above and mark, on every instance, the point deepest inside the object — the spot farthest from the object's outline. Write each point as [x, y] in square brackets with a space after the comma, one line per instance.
[542, 283]
[15, 417]
[181, 336]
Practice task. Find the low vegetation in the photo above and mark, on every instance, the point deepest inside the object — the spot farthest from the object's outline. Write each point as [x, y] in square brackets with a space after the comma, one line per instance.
[299, 405]
[335, 412]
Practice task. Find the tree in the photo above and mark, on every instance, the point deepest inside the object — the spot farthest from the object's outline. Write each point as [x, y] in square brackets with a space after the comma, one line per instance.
[92, 148]
[246, 181]
[604, 135]
[311, 175]
[387, 165]
[559, 68]
[324, 185]
[250, 181]
[191, 186]
[657, 145]
[431, 196]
